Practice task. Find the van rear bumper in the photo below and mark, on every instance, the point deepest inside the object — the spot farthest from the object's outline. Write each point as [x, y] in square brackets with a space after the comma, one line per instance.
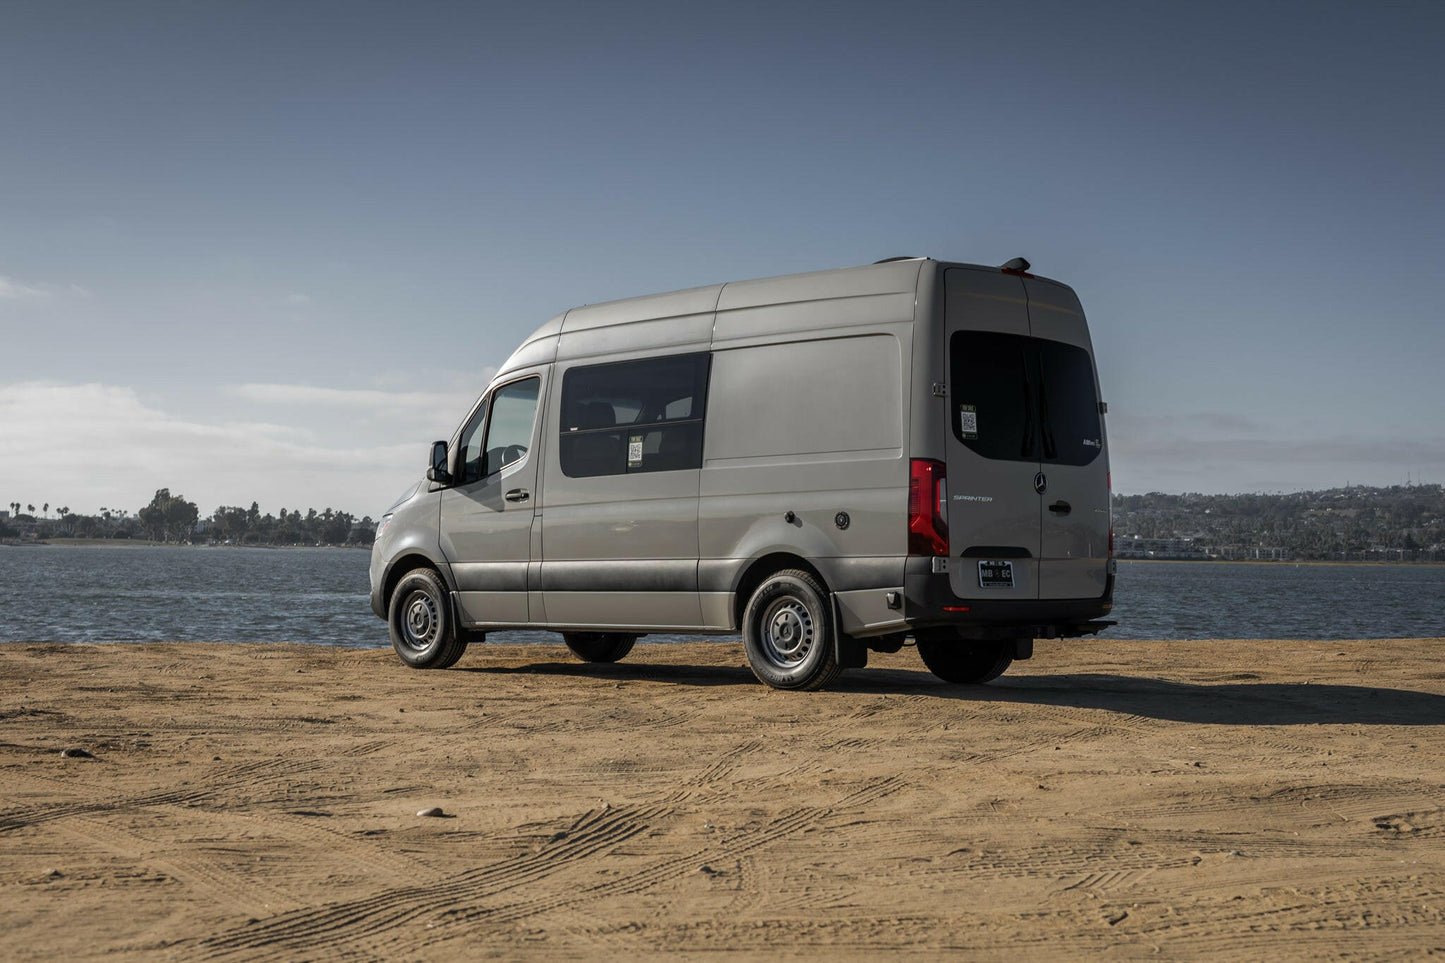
[926, 593]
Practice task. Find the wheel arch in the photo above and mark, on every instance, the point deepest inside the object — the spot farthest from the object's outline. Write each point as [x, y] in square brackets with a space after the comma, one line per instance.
[410, 562]
[761, 568]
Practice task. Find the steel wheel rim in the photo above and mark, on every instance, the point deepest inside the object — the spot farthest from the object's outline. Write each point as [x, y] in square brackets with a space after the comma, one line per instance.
[420, 620]
[787, 632]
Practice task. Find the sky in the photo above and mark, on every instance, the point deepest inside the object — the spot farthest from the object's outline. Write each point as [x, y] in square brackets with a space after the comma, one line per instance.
[268, 252]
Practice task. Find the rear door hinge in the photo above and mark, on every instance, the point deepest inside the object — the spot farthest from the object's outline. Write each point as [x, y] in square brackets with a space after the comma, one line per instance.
[940, 390]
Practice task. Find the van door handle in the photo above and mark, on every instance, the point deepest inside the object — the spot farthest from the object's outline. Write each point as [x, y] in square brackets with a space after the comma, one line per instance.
[1061, 507]
[517, 495]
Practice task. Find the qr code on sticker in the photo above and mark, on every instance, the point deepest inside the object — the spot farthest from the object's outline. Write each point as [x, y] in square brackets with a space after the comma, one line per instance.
[968, 421]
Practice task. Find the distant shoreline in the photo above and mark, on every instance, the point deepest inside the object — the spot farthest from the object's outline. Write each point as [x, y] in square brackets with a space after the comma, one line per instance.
[150, 543]
[1265, 561]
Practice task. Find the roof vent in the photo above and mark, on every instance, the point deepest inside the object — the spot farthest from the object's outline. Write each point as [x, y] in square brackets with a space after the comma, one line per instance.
[904, 257]
[1017, 265]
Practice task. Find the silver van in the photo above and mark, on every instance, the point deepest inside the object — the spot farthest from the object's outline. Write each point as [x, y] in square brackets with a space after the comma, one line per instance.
[826, 463]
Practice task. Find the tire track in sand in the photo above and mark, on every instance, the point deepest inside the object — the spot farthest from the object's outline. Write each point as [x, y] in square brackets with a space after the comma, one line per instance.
[311, 929]
[218, 782]
[403, 921]
[731, 849]
[225, 888]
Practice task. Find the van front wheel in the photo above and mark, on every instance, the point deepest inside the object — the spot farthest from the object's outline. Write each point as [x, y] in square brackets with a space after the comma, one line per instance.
[598, 646]
[959, 661]
[420, 619]
[788, 633]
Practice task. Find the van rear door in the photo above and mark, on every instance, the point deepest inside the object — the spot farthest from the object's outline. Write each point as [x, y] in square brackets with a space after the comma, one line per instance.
[992, 447]
[1074, 509]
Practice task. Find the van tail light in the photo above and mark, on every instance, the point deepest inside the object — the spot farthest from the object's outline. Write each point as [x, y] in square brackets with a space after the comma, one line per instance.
[927, 525]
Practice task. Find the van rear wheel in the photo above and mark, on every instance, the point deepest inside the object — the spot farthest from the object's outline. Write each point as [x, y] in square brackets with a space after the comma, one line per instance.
[788, 633]
[964, 662]
[599, 646]
[420, 620]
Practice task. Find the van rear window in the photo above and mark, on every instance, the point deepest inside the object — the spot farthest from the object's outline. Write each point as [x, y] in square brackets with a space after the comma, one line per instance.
[1017, 398]
[633, 416]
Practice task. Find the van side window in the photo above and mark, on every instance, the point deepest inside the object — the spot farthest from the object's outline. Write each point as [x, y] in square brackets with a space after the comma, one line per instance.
[469, 468]
[634, 416]
[1018, 398]
[509, 430]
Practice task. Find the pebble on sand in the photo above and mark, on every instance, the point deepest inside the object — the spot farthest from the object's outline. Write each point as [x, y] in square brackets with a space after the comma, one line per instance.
[75, 752]
[433, 811]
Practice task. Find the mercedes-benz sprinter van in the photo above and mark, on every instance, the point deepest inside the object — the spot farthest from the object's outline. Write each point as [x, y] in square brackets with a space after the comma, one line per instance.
[825, 463]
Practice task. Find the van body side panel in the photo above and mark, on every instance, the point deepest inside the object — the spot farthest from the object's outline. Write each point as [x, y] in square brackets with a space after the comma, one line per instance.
[1074, 544]
[632, 536]
[807, 402]
[807, 415]
[993, 510]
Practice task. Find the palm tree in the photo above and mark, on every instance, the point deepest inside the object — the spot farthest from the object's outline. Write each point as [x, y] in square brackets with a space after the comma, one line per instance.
[46, 509]
[30, 509]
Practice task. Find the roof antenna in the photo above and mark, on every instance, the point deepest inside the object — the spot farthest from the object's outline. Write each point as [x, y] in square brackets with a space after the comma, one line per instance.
[1017, 265]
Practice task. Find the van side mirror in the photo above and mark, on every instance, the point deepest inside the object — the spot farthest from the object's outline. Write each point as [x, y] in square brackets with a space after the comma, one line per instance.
[438, 471]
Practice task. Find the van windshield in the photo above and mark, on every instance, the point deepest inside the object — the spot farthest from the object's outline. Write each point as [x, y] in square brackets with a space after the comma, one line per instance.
[1017, 398]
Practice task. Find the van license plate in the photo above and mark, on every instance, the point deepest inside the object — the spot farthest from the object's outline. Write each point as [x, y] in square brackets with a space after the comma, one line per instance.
[995, 574]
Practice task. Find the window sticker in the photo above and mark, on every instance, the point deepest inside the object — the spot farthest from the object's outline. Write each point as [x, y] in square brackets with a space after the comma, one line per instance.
[968, 422]
[634, 451]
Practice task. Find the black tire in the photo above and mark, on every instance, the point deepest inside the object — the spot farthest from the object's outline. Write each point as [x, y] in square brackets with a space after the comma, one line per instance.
[599, 646]
[420, 618]
[964, 662]
[788, 632]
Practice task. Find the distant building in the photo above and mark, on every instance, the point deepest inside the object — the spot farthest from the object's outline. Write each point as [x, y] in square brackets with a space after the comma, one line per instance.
[1172, 548]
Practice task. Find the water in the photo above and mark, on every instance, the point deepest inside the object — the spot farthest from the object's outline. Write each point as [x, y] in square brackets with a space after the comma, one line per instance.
[139, 594]
[319, 596]
[1280, 600]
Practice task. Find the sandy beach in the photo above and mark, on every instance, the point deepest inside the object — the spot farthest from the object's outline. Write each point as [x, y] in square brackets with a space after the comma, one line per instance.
[1195, 799]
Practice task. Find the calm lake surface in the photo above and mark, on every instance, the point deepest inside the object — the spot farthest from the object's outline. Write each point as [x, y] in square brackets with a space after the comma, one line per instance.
[319, 596]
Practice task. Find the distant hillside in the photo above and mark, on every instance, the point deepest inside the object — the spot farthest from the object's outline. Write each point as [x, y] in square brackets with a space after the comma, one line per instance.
[1402, 523]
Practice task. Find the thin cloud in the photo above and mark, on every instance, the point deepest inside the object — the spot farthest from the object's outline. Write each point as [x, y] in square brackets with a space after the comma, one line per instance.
[13, 290]
[1209, 453]
[87, 445]
[355, 398]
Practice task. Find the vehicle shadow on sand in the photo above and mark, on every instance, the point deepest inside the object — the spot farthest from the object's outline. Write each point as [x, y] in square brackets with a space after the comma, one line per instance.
[1245, 703]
